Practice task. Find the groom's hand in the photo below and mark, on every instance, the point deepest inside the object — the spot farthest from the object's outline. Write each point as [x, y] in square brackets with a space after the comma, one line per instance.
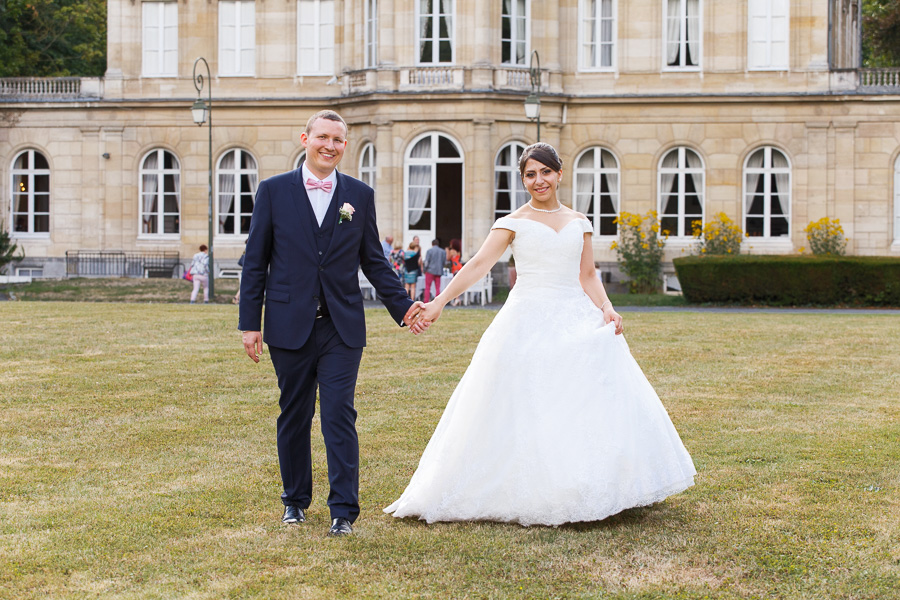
[252, 344]
[413, 319]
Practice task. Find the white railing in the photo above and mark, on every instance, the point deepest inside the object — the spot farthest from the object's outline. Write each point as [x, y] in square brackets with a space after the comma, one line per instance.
[431, 76]
[40, 87]
[518, 78]
[887, 78]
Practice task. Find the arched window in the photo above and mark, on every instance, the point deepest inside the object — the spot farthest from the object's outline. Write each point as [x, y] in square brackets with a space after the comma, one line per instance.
[434, 188]
[767, 194]
[30, 193]
[299, 160]
[236, 178]
[509, 192]
[597, 189]
[367, 165]
[681, 186]
[160, 193]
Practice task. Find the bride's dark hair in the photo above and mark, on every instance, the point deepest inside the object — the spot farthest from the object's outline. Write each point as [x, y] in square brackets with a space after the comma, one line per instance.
[543, 153]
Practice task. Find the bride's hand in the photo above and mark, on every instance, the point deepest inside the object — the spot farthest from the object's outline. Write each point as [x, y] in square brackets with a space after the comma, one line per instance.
[431, 312]
[611, 315]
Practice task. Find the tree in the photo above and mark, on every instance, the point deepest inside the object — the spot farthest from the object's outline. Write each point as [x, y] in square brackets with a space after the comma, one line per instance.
[52, 38]
[881, 33]
[8, 249]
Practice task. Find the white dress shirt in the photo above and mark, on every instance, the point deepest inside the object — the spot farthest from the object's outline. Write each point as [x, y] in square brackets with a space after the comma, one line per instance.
[319, 199]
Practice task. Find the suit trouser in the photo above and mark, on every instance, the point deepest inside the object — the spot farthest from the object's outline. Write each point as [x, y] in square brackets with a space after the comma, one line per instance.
[324, 361]
[429, 279]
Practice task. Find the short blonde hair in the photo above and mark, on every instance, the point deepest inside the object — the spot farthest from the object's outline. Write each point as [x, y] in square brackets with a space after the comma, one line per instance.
[329, 115]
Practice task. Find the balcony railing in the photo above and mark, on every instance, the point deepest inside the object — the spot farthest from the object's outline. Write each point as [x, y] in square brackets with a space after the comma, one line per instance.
[887, 79]
[49, 88]
[115, 263]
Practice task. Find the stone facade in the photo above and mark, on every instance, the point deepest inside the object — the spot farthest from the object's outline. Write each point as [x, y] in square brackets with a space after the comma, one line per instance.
[840, 134]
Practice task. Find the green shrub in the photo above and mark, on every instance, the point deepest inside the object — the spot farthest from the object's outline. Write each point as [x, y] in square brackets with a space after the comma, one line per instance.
[640, 250]
[791, 280]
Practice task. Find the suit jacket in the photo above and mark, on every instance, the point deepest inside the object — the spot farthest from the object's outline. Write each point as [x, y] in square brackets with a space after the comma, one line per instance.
[283, 266]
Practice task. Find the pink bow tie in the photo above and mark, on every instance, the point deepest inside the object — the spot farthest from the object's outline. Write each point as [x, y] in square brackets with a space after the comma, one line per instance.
[315, 184]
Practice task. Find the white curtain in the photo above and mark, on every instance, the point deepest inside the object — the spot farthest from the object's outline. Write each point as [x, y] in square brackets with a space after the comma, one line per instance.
[150, 180]
[693, 31]
[606, 34]
[782, 182]
[226, 189]
[419, 181]
[426, 17]
[667, 179]
[673, 31]
[754, 162]
[584, 190]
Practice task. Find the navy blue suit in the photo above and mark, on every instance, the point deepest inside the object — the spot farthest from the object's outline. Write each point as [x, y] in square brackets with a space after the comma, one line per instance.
[294, 265]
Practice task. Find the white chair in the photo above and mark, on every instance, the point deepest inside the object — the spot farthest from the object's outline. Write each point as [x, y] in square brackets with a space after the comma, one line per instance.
[481, 289]
[367, 289]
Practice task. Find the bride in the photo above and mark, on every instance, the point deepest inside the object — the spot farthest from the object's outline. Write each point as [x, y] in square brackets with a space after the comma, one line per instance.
[553, 421]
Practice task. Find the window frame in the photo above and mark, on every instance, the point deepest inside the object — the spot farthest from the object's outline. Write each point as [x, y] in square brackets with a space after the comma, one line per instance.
[769, 41]
[161, 7]
[30, 172]
[766, 216]
[318, 48]
[897, 200]
[597, 171]
[682, 40]
[614, 42]
[680, 172]
[517, 147]
[513, 40]
[161, 172]
[370, 34]
[226, 70]
[368, 170]
[236, 172]
[435, 49]
[433, 160]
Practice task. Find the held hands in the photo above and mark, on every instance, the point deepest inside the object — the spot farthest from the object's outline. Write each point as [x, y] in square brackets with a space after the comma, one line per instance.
[253, 344]
[413, 319]
[611, 315]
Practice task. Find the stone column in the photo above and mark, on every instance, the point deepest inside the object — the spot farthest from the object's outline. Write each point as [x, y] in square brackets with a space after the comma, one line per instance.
[817, 179]
[387, 46]
[843, 168]
[482, 45]
[115, 228]
[89, 216]
[479, 191]
[388, 182]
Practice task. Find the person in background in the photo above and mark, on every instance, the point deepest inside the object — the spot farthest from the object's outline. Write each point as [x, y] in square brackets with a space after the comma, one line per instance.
[387, 245]
[397, 260]
[434, 268]
[454, 255]
[200, 271]
[412, 263]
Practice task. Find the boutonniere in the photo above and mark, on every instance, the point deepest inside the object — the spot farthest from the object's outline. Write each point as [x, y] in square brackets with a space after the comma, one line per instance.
[346, 213]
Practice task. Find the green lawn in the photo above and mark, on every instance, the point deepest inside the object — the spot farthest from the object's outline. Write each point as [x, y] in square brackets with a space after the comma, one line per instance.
[137, 460]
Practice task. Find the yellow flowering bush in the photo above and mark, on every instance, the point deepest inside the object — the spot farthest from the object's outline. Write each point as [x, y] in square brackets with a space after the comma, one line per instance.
[719, 236]
[640, 250]
[826, 236]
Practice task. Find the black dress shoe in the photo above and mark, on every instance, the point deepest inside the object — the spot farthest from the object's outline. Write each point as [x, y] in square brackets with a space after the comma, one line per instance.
[293, 514]
[340, 526]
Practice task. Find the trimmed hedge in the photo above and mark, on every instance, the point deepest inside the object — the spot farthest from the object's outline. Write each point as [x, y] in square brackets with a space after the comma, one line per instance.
[790, 280]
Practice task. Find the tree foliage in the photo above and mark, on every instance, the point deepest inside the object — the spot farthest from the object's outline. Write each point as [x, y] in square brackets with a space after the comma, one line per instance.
[881, 33]
[52, 38]
[8, 249]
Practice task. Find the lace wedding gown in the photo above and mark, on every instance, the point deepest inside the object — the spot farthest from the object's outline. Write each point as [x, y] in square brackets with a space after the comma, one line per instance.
[553, 422]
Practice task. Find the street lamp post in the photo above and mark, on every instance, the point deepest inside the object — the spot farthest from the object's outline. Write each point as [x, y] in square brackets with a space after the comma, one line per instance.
[533, 101]
[201, 111]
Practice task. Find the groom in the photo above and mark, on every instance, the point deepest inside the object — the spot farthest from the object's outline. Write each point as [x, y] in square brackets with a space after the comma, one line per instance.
[312, 229]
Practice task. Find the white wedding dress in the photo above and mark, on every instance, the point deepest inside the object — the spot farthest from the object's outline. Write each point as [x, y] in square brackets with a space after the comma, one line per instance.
[553, 422]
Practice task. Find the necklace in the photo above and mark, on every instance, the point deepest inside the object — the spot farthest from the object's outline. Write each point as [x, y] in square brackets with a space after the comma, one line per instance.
[552, 210]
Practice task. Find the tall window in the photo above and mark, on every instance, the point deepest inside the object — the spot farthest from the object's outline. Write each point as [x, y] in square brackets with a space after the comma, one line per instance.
[315, 37]
[367, 165]
[682, 31]
[31, 193]
[598, 34]
[160, 39]
[514, 32]
[236, 178]
[768, 34]
[509, 193]
[597, 189]
[160, 193]
[435, 31]
[680, 191]
[767, 194]
[371, 19]
[897, 200]
[237, 37]
[433, 175]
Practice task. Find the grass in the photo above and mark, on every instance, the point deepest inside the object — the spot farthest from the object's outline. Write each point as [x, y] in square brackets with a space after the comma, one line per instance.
[137, 460]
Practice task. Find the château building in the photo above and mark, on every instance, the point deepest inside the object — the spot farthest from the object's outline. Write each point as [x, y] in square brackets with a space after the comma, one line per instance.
[757, 109]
